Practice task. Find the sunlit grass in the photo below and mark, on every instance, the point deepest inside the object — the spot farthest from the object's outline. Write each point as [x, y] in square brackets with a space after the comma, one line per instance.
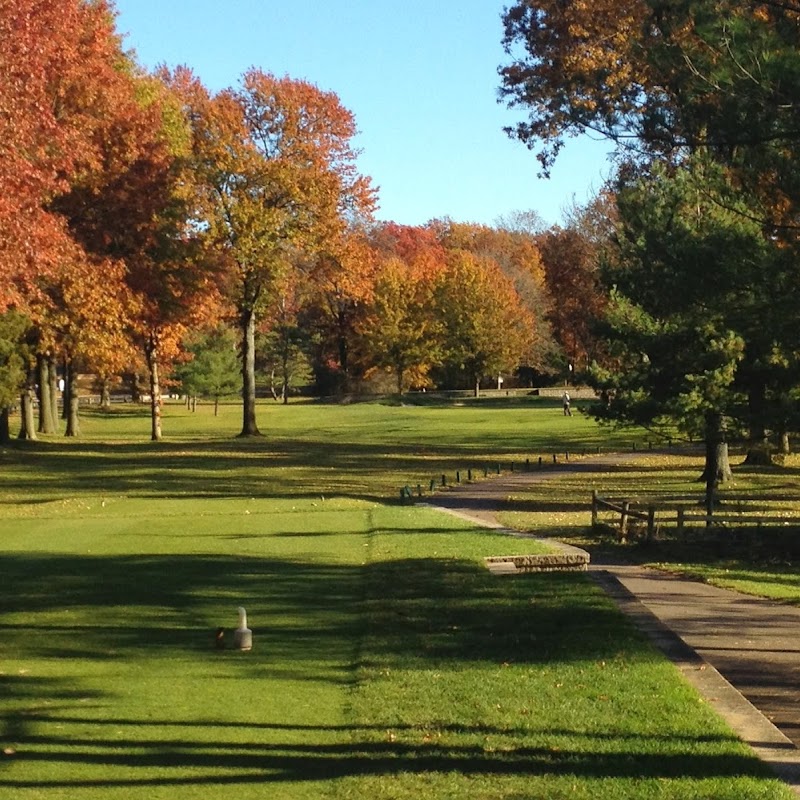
[387, 661]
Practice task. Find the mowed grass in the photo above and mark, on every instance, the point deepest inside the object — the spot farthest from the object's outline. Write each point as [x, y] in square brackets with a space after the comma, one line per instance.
[387, 662]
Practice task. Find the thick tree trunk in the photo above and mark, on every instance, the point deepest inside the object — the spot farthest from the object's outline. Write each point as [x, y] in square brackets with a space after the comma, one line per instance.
[135, 389]
[784, 444]
[248, 331]
[71, 401]
[52, 374]
[47, 423]
[151, 354]
[105, 395]
[717, 467]
[477, 387]
[27, 430]
[758, 448]
[5, 425]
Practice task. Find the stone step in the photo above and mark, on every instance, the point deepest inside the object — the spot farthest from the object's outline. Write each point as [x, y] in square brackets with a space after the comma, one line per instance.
[548, 562]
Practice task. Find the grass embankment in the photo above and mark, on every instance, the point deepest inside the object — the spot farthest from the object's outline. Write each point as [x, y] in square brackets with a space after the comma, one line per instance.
[387, 662]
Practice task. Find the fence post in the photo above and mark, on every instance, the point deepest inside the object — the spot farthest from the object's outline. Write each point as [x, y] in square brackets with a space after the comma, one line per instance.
[594, 507]
[651, 523]
[623, 521]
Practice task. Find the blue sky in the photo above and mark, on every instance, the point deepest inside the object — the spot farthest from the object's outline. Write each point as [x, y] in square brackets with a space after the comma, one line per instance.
[420, 76]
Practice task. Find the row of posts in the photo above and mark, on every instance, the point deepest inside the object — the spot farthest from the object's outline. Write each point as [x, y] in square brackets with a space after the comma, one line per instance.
[406, 493]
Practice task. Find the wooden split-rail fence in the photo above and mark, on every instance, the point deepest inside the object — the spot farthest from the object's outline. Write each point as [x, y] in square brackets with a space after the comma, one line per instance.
[648, 516]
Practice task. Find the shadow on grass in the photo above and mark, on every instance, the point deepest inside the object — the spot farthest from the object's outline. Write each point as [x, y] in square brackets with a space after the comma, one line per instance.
[414, 612]
[234, 765]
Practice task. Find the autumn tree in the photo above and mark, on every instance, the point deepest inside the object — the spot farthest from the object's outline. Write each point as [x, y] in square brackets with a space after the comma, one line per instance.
[133, 208]
[710, 74]
[54, 58]
[278, 167]
[516, 252]
[340, 283]
[399, 331]
[669, 83]
[571, 256]
[486, 328]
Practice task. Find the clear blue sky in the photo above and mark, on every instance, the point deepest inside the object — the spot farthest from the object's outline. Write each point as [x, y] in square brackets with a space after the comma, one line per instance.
[420, 76]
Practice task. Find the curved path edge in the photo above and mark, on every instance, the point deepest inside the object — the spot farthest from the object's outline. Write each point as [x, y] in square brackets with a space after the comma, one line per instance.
[749, 724]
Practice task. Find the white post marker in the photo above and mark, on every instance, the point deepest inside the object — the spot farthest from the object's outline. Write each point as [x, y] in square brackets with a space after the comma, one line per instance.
[243, 636]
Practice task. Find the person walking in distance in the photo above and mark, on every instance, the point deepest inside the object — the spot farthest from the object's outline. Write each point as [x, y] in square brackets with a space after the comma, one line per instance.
[565, 401]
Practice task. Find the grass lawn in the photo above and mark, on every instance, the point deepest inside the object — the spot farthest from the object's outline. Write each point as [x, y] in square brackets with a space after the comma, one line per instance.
[387, 662]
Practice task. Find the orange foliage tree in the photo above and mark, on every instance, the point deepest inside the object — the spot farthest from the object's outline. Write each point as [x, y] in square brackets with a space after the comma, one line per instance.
[341, 281]
[398, 332]
[55, 56]
[131, 206]
[486, 328]
[516, 253]
[278, 167]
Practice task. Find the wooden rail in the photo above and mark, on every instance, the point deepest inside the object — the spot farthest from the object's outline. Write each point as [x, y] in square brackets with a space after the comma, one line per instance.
[681, 517]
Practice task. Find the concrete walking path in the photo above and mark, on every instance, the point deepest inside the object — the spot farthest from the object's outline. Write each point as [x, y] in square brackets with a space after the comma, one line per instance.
[742, 653]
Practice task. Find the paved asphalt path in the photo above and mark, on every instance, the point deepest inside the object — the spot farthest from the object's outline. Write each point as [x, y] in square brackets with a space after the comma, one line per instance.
[742, 653]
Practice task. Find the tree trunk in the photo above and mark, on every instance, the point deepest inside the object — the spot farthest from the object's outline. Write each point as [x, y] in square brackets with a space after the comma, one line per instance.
[54, 390]
[784, 445]
[151, 354]
[248, 331]
[133, 385]
[758, 452]
[47, 423]
[5, 425]
[477, 387]
[717, 467]
[105, 395]
[286, 375]
[65, 394]
[71, 401]
[27, 430]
